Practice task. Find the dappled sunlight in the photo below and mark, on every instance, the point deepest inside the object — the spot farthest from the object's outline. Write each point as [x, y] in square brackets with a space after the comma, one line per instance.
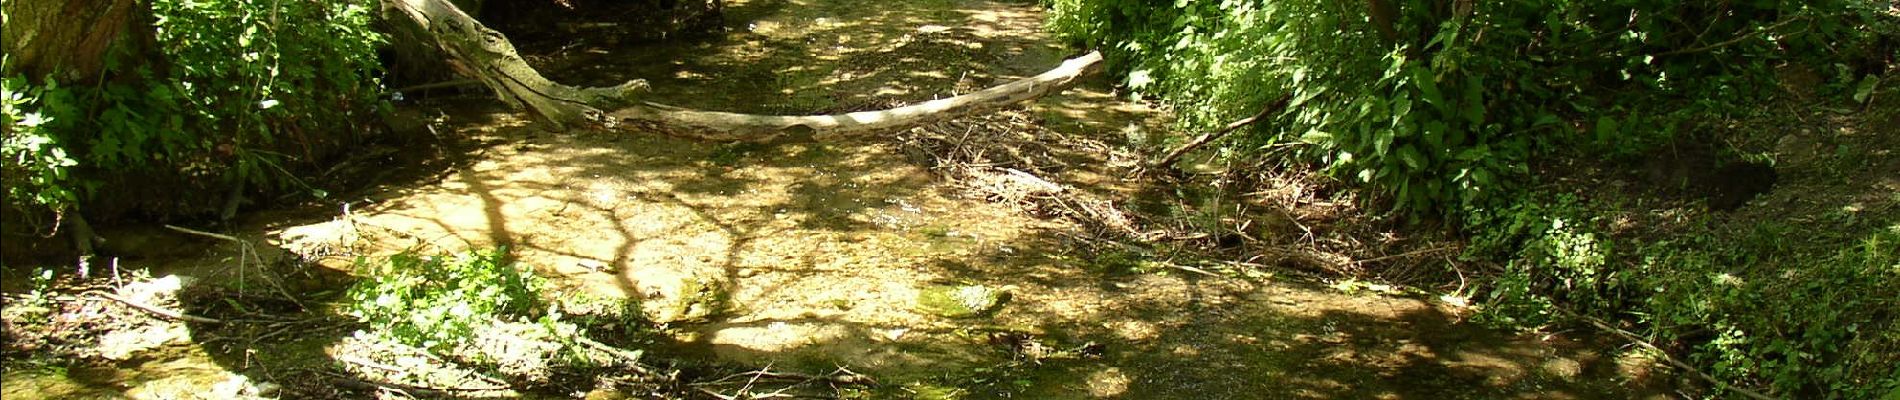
[779, 231]
[180, 373]
[1055, 239]
[787, 57]
[809, 256]
[132, 327]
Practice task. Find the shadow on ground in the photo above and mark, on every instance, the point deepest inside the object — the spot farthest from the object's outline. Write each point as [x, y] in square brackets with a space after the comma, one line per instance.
[810, 257]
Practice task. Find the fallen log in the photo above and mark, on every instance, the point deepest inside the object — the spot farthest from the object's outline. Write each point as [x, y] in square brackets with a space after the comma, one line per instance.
[714, 125]
[483, 54]
[486, 55]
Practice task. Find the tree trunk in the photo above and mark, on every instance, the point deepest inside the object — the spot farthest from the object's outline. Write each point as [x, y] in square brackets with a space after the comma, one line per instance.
[486, 55]
[69, 38]
[475, 51]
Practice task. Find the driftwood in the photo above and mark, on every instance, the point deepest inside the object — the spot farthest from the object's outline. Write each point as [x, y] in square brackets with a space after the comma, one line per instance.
[748, 127]
[486, 55]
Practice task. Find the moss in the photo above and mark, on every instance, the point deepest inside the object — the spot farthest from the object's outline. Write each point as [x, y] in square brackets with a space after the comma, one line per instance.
[961, 301]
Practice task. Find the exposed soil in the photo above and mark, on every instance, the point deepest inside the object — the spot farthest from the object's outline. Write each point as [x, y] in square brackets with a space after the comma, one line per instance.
[808, 257]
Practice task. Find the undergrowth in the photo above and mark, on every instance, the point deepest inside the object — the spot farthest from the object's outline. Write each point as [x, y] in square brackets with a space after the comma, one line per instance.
[479, 308]
[437, 302]
[235, 94]
[1444, 110]
[1811, 320]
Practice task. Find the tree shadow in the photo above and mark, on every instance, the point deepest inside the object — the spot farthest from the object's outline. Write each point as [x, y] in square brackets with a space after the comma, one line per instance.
[660, 220]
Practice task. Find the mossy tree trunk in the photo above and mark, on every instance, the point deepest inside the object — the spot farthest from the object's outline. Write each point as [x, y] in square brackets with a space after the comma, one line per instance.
[69, 40]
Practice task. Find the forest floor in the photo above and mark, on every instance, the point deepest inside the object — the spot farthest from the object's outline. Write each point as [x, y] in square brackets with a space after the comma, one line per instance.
[808, 257]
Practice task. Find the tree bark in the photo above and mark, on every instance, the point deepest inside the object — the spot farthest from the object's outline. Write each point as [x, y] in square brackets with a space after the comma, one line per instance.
[69, 38]
[481, 53]
[486, 55]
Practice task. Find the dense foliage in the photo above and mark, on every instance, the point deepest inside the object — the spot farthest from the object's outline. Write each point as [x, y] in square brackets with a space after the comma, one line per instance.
[35, 165]
[1811, 320]
[1446, 107]
[238, 89]
[437, 302]
[1447, 103]
[481, 309]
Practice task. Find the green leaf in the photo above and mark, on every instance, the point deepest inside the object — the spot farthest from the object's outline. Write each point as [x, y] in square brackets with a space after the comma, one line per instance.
[1481, 176]
[1382, 141]
[1474, 154]
[1865, 89]
[1412, 157]
[1314, 136]
[1405, 193]
[1544, 119]
[1606, 129]
[1428, 88]
[1401, 107]
[1434, 134]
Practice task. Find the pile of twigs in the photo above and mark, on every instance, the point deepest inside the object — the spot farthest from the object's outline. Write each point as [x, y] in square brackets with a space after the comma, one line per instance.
[1007, 157]
[766, 384]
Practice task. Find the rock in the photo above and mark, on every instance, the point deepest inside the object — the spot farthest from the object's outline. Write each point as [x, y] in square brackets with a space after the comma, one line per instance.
[156, 292]
[606, 394]
[123, 344]
[961, 301]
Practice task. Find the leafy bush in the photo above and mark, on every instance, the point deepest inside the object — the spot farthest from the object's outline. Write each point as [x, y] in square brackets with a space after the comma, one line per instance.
[1444, 107]
[283, 70]
[1744, 306]
[1810, 326]
[438, 302]
[35, 164]
[478, 309]
[236, 90]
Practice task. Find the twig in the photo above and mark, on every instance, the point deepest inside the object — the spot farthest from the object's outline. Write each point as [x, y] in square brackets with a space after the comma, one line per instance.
[245, 251]
[370, 364]
[1638, 340]
[714, 394]
[1205, 138]
[203, 233]
[160, 311]
[755, 379]
[437, 85]
[841, 376]
[365, 384]
[1405, 254]
[632, 358]
[1193, 269]
[1726, 43]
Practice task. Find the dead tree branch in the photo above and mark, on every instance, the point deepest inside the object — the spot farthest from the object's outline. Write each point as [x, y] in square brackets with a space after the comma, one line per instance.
[713, 125]
[155, 310]
[1640, 341]
[1205, 138]
[485, 55]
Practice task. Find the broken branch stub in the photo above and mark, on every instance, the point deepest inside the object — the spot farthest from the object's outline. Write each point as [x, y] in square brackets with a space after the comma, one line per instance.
[486, 55]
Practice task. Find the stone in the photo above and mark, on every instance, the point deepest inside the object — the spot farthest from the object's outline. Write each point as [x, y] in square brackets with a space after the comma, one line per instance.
[961, 301]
